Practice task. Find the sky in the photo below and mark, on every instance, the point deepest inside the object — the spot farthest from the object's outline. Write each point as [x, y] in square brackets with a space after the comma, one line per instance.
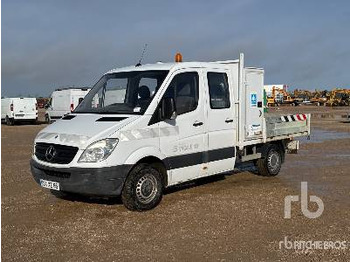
[51, 44]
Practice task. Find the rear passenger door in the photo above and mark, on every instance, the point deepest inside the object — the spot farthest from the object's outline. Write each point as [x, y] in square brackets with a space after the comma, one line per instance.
[221, 124]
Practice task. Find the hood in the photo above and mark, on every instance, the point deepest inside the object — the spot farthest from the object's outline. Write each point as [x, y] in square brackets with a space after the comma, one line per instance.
[79, 129]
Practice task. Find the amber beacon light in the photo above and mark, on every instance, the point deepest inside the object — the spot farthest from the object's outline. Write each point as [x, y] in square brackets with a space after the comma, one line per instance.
[178, 57]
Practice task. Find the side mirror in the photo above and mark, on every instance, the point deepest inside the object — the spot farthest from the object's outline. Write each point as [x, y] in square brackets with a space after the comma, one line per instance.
[168, 108]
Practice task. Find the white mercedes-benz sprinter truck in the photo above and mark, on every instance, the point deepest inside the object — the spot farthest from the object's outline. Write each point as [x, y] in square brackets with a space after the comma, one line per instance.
[144, 128]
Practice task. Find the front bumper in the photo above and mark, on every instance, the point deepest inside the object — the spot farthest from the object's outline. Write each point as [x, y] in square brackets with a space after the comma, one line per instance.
[107, 181]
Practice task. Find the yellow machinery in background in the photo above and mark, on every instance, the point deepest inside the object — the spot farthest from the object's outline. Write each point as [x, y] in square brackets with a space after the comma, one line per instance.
[280, 96]
[338, 97]
[319, 98]
[271, 99]
[302, 95]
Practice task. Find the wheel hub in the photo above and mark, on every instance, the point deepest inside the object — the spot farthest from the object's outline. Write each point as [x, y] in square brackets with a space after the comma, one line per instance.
[146, 188]
[273, 161]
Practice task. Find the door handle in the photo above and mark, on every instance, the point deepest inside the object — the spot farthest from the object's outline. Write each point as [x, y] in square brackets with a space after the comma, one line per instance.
[197, 123]
[228, 120]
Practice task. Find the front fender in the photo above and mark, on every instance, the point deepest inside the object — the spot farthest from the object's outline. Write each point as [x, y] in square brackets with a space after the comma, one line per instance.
[143, 152]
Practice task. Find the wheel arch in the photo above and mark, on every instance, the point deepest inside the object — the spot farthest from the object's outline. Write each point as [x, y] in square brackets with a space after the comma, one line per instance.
[150, 156]
[281, 144]
[157, 164]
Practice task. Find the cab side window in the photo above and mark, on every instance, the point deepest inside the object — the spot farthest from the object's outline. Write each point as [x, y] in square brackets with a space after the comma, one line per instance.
[185, 91]
[218, 90]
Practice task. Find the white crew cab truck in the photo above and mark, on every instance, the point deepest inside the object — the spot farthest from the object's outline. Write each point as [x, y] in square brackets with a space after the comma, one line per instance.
[175, 122]
[64, 101]
[19, 109]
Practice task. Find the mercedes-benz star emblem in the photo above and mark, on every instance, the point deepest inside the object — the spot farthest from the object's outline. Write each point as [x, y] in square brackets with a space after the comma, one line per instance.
[50, 153]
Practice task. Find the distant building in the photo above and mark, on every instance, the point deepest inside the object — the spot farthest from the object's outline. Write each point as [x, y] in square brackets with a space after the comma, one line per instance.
[268, 88]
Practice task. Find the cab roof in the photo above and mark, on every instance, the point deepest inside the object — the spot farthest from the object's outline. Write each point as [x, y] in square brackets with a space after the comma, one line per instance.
[169, 66]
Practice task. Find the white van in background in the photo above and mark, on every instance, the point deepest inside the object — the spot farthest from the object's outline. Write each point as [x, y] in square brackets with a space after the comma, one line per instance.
[64, 101]
[19, 109]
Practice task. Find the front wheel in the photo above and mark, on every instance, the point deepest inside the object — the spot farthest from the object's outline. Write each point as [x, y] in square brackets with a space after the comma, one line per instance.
[271, 163]
[9, 121]
[143, 188]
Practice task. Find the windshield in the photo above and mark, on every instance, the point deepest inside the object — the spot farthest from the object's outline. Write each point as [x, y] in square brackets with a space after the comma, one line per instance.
[122, 93]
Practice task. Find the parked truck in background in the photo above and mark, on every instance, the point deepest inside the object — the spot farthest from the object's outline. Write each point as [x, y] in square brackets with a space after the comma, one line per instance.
[192, 120]
[19, 109]
[64, 101]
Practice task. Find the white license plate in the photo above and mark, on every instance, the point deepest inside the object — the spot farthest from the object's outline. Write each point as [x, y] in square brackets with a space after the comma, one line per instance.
[50, 184]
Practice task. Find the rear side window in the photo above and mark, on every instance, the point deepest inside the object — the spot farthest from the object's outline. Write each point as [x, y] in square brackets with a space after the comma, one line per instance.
[218, 90]
[184, 89]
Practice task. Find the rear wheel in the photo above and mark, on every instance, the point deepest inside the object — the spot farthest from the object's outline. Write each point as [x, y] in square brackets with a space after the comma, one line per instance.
[143, 188]
[47, 119]
[9, 121]
[271, 163]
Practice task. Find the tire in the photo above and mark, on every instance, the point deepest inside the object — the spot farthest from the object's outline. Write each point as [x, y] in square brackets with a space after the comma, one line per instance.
[271, 163]
[143, 188]
[9, 121]
[47, 119]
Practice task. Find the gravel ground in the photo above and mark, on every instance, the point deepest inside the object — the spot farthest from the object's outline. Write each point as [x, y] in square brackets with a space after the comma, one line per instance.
[236, 216]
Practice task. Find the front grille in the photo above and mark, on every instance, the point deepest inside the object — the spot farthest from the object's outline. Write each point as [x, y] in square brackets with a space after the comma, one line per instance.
[60, 154]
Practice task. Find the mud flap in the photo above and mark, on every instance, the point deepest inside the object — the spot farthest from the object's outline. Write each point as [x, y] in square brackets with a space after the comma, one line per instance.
[292, 147]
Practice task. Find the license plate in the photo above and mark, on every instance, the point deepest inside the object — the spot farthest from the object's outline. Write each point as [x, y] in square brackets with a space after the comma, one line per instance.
[50, 184]
[19, 115]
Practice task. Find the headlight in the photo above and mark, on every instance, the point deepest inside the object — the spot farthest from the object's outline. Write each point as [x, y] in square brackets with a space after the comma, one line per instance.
[99, 150]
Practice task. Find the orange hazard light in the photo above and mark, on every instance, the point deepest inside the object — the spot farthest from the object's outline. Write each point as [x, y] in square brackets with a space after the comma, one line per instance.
[178, 58]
